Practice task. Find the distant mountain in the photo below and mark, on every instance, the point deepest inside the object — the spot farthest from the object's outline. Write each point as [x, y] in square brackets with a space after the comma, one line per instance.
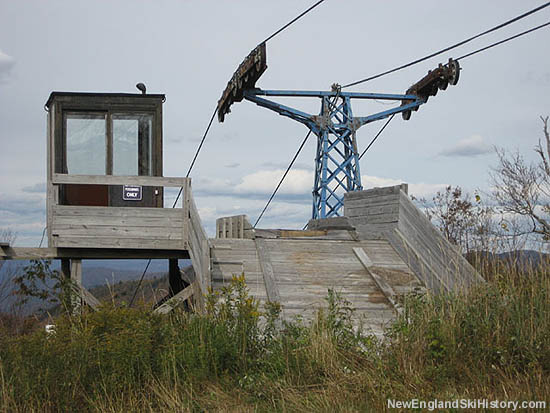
[520, 257]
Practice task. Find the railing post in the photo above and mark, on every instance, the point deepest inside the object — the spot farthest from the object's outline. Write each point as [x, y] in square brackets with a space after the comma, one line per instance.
[186, 201]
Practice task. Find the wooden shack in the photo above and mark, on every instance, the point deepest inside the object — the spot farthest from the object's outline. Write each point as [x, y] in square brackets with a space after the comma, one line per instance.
[105, 184]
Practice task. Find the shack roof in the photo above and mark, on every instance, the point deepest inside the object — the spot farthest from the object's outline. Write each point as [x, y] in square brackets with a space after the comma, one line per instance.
[110, 95]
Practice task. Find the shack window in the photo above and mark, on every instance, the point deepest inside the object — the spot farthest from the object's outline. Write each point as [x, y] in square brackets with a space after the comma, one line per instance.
[132, 144]
[109, 143]
[86, 143]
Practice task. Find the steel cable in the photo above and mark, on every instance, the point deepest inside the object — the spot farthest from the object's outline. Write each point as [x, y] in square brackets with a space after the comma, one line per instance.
[292, 21]
[387, 72]
[503, 41]
[178, 196]
[208, 129]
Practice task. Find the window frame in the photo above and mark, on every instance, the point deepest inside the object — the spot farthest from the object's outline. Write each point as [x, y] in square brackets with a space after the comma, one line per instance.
[109, 105]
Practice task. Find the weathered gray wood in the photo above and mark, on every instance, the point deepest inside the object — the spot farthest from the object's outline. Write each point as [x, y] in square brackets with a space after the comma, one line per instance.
[267, 270]
[374, 192]
[122, 212]
[117, 231]
[117, 227]
[76, 282]
[388, 291]
[89, 299]
[74, 221]
[374, 219]
[176, 300]
[199, 247]
[119, 180]
[452, 267]
[122, 243]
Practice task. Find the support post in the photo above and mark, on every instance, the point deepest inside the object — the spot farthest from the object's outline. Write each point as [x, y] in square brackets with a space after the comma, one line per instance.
[174, 277]
[76, 281]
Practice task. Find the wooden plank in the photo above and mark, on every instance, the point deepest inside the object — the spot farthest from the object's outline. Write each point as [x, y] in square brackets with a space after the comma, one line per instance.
[123, 212]
[389, 199]
[380, 282]
[186, 213]
[421, 268]
[176, 300]
[119, 180]
[375, 219]
[374, 192]
[288, 233]
[123, 243]
[267, 270]
[117, 231]
[199, 247]
[89, 299]
[20, 253]
[157, 221]
[374, 209]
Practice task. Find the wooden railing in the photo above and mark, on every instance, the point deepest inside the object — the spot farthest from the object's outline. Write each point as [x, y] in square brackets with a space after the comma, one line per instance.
[132, 228]
[199, 246]
[74, 226]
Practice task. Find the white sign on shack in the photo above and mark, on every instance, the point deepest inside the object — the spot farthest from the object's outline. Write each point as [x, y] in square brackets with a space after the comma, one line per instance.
[131, 193]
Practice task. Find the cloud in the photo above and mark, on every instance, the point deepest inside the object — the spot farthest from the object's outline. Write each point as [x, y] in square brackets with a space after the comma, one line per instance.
[6, 64]
[298, 181]
[258, 186]
[25, 216]
[296, 188]
[39, 187]
[473, 146]
[283, 165]
[232, 165]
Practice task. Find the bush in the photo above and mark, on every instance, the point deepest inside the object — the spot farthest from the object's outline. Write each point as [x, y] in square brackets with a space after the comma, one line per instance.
[491, 343]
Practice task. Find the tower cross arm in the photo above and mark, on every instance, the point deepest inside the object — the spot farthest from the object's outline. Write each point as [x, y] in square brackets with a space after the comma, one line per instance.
[297, 115]
[408, 106]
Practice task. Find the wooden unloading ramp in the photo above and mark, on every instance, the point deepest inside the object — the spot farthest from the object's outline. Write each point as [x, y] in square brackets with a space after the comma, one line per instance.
[382, 249]
[302, 271]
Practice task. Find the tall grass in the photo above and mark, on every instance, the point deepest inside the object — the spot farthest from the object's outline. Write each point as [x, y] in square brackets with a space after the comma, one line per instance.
[492, 342]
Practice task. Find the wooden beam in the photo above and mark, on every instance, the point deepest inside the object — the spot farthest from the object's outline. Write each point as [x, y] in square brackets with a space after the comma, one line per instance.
[89, 299]
[176, 300]
[267, 270]
[119, 180]
[22, 253]
[290, 233]
[386, 289]
[76, 282]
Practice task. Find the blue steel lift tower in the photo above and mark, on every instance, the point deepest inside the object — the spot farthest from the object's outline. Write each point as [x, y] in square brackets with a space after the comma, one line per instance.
[337, 160]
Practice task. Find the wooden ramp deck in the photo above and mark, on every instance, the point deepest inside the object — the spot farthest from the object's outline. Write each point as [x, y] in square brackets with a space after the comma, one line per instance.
[298, 272]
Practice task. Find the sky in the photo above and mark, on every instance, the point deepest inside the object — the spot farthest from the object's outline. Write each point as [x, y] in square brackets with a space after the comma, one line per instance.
[189, 49]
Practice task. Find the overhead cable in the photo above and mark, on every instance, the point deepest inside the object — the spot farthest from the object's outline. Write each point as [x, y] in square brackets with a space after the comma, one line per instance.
[377, 135]
[503, 41]
[292, 21]
[208, 129]
[515, 19]
[464, 57]
[178, 196]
